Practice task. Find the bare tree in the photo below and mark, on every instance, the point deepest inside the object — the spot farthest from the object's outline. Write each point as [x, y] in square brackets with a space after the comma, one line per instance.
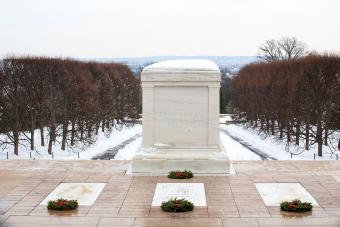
[292, 48]
[270, 51]
[285, 48]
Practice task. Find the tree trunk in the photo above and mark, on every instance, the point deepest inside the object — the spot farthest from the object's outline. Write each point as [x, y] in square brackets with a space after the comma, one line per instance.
[42, 138]
[16, 132]
[97, 128]
[326, 135]
[307, 135]
[103, 125]
[89, 130]
[281, 130]
[52, 123]
[273, 127]
[297, 133]
[72, 132]
[65, 126]
[16, 142]
[81, 128]
[32, 127]
[51, 139]
[63, 142]
[319, 138]
[288, 132]
[50, 145]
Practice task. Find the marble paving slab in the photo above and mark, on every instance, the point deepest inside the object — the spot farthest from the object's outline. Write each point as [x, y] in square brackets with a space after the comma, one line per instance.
[274, 193]
[337, 178]
[193, 192]
[85, 193]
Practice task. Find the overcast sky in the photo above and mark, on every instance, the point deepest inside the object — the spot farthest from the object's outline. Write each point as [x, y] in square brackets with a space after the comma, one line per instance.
[118, 28]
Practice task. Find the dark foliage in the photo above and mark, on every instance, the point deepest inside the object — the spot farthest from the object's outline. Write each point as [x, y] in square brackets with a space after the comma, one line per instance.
[177, 205]
[186, 174]
[62, 204]
[292, 99]
[72, 99]
[296, 206]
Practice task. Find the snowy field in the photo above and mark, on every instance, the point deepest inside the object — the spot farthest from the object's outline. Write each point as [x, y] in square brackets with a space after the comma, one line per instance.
[235, 150]
[102, 144]
[225, 117]
[275, 148]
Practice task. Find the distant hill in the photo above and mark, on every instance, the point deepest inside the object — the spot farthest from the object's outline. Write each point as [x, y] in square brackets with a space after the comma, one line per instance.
[233, 63]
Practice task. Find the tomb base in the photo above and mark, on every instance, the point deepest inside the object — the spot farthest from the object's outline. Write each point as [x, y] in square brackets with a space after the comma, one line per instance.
[161, 161]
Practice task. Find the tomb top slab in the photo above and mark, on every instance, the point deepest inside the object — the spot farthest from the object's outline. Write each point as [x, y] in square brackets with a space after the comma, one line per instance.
[182, 70]
[183, 65]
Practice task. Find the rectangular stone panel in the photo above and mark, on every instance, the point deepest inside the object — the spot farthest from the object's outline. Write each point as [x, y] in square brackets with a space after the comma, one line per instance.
[193, 192]
[85, 193]
[181, 116]
[275, 193]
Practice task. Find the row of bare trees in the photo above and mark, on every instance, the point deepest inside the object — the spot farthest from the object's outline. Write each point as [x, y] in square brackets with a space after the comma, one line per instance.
[73, 100]
[293, 100]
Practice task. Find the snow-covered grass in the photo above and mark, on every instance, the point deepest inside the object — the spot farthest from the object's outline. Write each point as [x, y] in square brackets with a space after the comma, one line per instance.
[102, 143]
[129, 150]
[274, 147]
[235, 150]
[225, 117]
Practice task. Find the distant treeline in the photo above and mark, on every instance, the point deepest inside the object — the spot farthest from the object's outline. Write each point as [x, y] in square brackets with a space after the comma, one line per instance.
[292, 99]
[72, 99]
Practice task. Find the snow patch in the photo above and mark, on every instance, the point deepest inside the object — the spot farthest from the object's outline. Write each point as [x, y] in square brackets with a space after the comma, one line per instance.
[273, 147]
[183, 65]
[235, 150]
[101, 144]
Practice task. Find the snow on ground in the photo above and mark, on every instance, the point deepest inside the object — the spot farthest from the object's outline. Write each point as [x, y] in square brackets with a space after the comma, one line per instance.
[102, 143]
[235, 150]
[276, 149]
[129, 150]
[225, 117]
[187, 64]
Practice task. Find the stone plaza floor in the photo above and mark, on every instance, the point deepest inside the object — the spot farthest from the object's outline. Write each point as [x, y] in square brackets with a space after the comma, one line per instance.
[126, 200]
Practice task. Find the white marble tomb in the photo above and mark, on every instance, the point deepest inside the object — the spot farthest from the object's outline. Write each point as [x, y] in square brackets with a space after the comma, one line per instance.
[181, 119]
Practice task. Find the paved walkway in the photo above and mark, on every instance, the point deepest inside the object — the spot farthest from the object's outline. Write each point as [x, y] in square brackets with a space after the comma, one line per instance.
[126, 200]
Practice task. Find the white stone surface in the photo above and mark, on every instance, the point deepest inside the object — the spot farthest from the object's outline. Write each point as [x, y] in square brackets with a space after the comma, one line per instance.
[181, 122]
[85, 193]
[337, 178]
[274, 193]
[193, 192]
[181, 119]
[180, 65]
